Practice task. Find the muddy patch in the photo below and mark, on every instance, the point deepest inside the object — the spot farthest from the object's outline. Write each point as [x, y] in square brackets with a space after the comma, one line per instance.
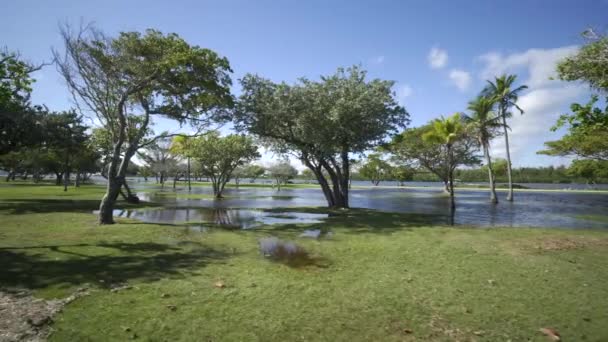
[565, 243]
[26, 318]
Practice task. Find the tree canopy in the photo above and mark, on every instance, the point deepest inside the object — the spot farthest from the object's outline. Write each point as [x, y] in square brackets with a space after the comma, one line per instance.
[322, 122]
[126, 80]
[219, 156]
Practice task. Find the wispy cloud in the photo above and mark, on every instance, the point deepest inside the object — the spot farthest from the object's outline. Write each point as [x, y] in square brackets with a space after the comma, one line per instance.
[437, 58]
[403, 92]
[460, 78]
[377, 60]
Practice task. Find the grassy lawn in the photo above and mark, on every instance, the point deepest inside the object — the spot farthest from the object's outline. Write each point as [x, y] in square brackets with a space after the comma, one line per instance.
[379, 277]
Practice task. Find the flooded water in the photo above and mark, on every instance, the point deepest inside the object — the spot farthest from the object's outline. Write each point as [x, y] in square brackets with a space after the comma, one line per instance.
[224, 217]
[241, 207]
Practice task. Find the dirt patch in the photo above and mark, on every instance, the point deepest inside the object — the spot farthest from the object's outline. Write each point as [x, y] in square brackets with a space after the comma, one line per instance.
[565, 243]
[26, 318]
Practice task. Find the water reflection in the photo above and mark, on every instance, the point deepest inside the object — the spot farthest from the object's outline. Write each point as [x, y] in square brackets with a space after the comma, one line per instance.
[530, 209]
[225, 218]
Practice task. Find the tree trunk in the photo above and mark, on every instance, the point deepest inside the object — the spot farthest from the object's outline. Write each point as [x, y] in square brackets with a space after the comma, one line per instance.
[188, 175]
[9, 175]
[493, 197]
[77, 181]
[451, 177]
[509, 176]
[59, 178]
[106, 208]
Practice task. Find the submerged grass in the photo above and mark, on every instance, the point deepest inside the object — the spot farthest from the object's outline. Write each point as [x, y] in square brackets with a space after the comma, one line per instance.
[380, 276]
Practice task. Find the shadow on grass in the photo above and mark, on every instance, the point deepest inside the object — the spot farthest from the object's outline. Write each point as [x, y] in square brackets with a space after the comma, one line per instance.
[24, 267]
[25, 206]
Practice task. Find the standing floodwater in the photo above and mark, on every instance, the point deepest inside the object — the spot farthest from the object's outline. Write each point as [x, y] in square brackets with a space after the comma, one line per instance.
[550, 209]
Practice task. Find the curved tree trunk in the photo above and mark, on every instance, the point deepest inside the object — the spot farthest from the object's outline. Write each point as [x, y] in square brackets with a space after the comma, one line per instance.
[509, 176]
[493, 197]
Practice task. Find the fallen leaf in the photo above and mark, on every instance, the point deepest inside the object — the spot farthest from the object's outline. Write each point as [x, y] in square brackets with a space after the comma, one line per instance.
[219, 284]
[478, 333]
[164, 295]
[172, 307]
[408, 331]
[551, 333]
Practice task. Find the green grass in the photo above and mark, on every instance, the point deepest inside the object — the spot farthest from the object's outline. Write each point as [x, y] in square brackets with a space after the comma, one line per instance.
[596, 218]
[377, 275]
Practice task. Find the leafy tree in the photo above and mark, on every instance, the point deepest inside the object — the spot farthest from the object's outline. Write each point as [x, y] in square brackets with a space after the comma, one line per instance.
[159, 158]
[589, 64]
[591, 171]
[129, 79]
[18, 120]
[446, 132]
[182, 146]
[282, 172]
[322, 122]
[375, 169]
[251, 171]
[484, 125]
[409, 148]
[220, 156]
[506, 96]
[308, 175]
[402, 174]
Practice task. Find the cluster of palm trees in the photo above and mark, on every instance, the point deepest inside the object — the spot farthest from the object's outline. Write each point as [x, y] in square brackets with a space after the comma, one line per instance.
[487, 119]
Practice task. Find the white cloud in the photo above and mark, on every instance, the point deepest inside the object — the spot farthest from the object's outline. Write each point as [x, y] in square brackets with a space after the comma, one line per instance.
[378, 60]
[403, 91]
[529, 131]
[460, 78]
[437, 58]
[539, 63]
[545, 100]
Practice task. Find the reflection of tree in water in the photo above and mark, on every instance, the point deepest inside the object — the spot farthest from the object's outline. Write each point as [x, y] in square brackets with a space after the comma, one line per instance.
[228, 217]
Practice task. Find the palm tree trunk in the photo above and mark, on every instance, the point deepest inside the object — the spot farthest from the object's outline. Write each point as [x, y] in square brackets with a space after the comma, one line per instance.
[451, 177]
[493, 197]
[504, 123]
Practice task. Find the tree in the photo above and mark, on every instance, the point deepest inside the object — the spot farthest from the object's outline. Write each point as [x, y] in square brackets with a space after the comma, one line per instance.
[308, 175]
[322, 122]
[18, 120]
[251, 171]
[446, 132]
[589, 64]
[409, 148]
[402, 174]
[65, 133]
[127, 80]
[506, 98]
[182, 146]
[375, 169]
[282, 172]
[591, 171]
[159, 159]
[220, 156]
[484, 125]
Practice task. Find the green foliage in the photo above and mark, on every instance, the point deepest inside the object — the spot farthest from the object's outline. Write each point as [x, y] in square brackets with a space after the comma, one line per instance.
[409, 148]
[587, 135]
[251, 171]
[282, 172]
[375, 169]
[445, 131]
[219, 156]
[322, 122]
[592, 171]
[588, 65]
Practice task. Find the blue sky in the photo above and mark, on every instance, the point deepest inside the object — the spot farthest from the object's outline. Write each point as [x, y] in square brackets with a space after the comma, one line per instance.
[439, 52]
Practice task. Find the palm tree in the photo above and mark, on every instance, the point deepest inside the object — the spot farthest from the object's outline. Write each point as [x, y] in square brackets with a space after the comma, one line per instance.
[506, 98]
[484, 124]
[446, 131]
[182, 146]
